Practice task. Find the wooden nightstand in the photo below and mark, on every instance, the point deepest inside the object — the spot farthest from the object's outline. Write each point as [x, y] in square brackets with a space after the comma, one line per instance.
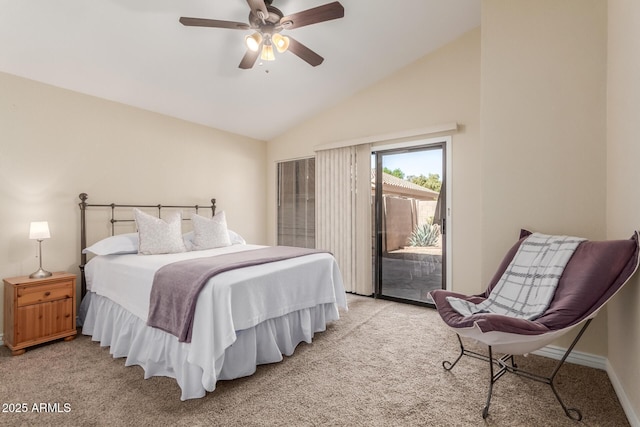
[39, 310]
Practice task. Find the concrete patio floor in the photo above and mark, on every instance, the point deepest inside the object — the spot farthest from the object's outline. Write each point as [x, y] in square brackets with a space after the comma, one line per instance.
[411, 273]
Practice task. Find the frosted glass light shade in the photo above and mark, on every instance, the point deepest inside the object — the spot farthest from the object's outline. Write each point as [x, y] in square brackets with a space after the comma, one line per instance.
[267, 53]
[281, 42]
[253, 41]
[39, 230]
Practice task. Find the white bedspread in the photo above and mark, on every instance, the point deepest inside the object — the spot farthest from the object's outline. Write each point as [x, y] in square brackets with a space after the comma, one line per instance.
[232, 301]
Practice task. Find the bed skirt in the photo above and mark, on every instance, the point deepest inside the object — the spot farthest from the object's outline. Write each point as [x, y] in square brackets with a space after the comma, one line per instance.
[160, 353]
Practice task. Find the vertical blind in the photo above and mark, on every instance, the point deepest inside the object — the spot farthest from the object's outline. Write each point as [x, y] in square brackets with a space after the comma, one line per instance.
[296, 203]
[343, 215]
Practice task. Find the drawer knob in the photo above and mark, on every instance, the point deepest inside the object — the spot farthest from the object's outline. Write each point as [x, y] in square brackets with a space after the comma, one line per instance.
[46, 294]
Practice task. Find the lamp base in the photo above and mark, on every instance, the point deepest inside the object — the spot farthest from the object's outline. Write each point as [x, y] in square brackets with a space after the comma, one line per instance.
[40, 274]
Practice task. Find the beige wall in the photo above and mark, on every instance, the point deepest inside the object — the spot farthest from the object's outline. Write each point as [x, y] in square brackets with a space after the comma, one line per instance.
[623, 177]
[399, 221]
[440, 88]
[55, 144]
[544, 126]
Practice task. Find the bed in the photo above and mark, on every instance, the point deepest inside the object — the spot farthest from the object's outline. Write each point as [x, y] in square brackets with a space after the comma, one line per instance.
[242, 317]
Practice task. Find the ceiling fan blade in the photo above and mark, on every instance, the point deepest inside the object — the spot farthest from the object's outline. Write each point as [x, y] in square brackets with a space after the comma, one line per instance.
[304, 53]
[199, 22]
[258, 8]
[249, 59]
[323, 13]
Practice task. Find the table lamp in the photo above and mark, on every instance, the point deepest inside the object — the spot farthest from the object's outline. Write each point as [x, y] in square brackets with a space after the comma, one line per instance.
[39, 231]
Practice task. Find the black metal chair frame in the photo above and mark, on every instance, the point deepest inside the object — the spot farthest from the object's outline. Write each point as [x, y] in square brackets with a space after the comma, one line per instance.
[506, 363]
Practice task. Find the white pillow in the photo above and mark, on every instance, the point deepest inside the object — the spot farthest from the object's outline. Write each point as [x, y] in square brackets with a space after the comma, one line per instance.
[157, 235]
[188, 240]
[234, 237]
[114, 245]
[210, 233]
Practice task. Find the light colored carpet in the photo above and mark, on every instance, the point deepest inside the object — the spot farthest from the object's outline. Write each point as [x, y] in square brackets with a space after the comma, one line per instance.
[379, 365]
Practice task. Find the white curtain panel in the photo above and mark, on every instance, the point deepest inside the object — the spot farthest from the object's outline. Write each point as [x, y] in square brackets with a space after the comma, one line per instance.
[343, 212]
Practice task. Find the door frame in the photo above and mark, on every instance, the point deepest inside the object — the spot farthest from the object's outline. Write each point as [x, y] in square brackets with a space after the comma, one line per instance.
[392, 147]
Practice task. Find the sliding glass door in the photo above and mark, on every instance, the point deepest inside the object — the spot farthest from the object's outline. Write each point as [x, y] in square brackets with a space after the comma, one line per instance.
[410, 223]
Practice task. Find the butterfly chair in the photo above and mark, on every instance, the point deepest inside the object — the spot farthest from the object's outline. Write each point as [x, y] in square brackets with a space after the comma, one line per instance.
[592, 275]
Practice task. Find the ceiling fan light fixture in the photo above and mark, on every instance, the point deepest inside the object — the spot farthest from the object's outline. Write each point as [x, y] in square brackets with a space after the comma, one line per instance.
[267, 52]
[253, 41]
[281, 42]
[267, 22]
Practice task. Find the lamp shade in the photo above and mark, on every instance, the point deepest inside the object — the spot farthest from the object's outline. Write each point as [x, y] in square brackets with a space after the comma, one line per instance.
[267, 53]
[281, 42]
[39, 230]
[253, 41]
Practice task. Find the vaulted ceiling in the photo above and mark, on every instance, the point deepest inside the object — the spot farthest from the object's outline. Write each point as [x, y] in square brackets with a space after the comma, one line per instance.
[137, 53]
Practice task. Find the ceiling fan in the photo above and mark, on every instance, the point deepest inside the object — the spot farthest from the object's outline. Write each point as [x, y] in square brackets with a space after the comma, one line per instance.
[268, 22]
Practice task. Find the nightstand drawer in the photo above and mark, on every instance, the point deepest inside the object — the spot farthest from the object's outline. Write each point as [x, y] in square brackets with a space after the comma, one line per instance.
[43, 293]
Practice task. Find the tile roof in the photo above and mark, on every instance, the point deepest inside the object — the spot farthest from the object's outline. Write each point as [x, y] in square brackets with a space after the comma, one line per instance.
[393, 184]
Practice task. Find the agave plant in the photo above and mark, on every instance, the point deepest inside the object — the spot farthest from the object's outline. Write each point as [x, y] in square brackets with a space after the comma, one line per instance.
[425, 235]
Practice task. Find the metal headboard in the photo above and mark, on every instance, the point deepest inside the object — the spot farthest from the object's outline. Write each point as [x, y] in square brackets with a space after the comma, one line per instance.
[83, 224]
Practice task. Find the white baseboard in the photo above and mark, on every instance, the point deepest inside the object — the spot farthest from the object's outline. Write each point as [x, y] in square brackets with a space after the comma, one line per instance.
[577, 357]
[632, 417]
[598, 362]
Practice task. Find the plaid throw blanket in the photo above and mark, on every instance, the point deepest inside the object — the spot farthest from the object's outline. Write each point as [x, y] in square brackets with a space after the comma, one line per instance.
[527, 286]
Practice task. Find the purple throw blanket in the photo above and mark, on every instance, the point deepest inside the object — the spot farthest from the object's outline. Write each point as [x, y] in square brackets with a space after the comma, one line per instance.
[176, 286]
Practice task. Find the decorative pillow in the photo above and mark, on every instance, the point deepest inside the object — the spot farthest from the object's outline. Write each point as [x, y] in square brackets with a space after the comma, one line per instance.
[157, 235]
[187, 238]
[234, 237]
[210, 233]
[115, 245]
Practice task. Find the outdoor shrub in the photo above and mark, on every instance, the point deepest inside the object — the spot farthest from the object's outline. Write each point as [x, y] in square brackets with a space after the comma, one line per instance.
[425, 235]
